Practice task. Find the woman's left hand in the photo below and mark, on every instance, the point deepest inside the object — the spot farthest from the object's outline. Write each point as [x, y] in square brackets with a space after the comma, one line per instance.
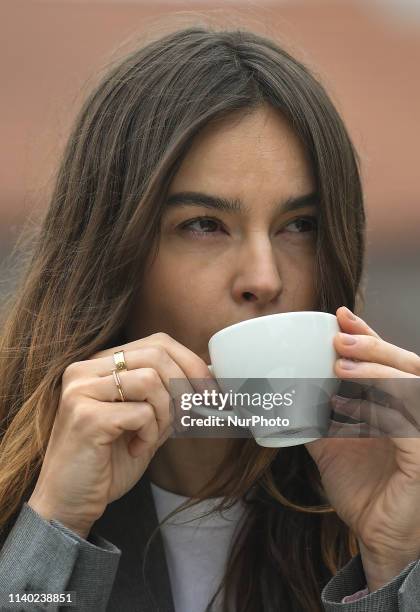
[374, 483]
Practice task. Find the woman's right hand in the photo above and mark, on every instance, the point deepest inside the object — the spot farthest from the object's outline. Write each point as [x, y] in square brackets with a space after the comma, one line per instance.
[99, 447]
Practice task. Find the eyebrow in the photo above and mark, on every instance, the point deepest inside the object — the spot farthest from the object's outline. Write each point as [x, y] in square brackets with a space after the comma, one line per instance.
[196, 198]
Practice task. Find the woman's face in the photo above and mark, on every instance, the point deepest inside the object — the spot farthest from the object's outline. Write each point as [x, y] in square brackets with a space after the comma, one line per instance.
[234, 264]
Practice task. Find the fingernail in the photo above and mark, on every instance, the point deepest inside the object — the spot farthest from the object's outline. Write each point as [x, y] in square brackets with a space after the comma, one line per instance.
[350, 314]
[347, 364]
[348, 339]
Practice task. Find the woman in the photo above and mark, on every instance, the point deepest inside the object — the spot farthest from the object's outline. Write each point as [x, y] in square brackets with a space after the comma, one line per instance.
[132, 268]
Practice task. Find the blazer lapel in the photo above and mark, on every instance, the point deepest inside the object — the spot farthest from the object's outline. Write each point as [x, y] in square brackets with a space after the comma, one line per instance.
[128, 523]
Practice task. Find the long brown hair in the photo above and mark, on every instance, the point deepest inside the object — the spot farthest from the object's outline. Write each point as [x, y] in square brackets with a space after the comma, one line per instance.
[86, 263]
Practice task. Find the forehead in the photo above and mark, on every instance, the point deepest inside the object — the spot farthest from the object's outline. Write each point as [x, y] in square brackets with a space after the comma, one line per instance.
[246, 152]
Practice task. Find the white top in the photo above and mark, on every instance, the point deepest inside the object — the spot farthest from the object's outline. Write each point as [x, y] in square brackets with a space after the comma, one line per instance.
[197, 551]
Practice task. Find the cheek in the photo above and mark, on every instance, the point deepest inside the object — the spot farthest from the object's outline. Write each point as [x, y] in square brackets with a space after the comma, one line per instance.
[183, 280]
[182, 304]
[180, 292]
[298, 276]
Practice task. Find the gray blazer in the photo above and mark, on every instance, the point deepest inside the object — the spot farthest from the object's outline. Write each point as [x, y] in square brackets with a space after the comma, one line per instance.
[105, 571]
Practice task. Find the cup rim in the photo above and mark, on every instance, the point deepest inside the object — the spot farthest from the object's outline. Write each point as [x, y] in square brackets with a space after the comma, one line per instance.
[293, 313]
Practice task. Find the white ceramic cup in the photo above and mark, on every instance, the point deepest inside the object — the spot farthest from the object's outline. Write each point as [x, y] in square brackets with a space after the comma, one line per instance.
[288, 349]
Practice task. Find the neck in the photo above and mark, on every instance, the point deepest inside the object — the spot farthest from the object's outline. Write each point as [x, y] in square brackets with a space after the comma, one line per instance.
[185, 465]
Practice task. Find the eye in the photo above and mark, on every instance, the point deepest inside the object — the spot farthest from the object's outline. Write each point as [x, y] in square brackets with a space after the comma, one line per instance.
[206, 222]
[210, 225]
[303, 224]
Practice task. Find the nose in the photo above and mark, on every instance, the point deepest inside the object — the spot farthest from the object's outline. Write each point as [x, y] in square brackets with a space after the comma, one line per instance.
[257, 276]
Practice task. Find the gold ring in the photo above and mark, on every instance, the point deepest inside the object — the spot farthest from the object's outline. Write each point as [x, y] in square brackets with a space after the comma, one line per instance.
[119, 360]
[118, 383]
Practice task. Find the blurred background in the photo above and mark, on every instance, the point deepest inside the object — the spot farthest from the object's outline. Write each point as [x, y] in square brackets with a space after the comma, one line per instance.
[366, 53]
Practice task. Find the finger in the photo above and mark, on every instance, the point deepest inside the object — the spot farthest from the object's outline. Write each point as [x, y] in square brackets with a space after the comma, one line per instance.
[143, 440]
[149, 356]
[374, 349]
[136, 444]
[143, 385]
[353, 325]
[107, 421]
[165, 434]
[399, 386]
[349, 369]
[382, 420]
[176, 364]
[338, 429]
[189, 364]
[401, 391]
[176, 375]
